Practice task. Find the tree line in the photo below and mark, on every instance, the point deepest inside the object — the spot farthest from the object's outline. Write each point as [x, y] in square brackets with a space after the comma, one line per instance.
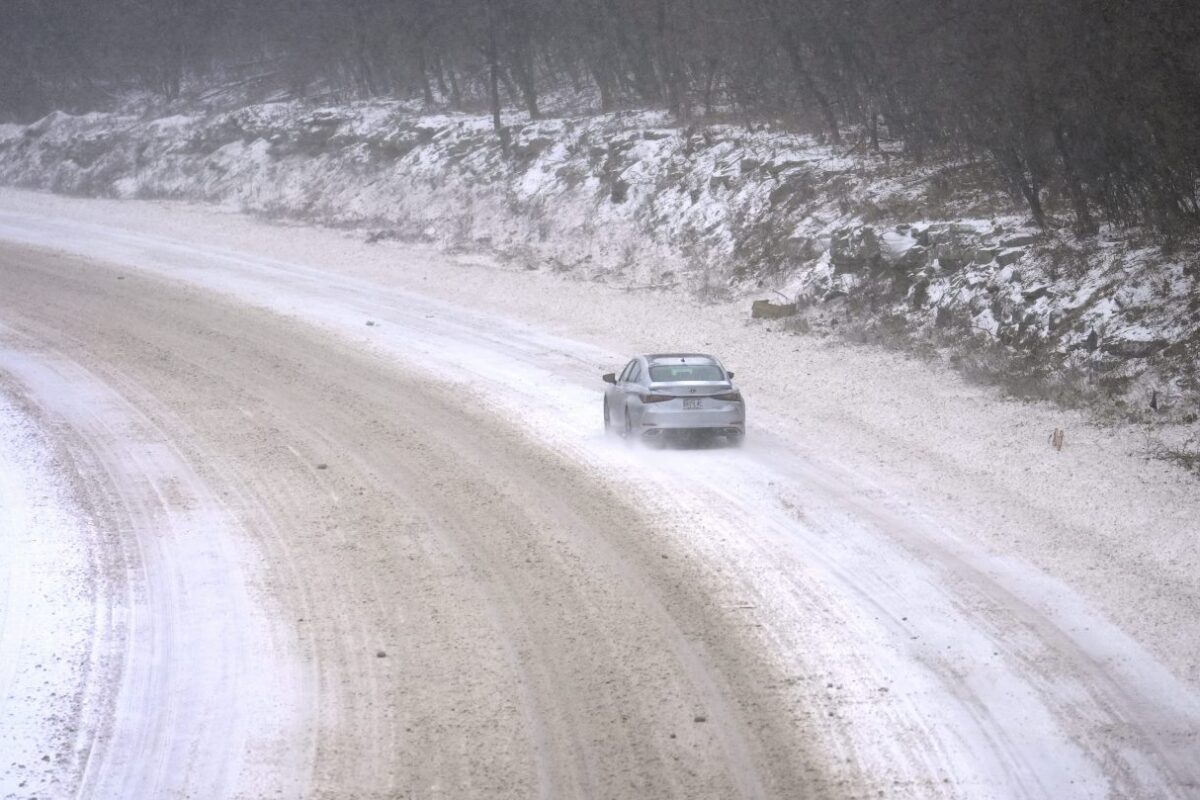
[1093, 105]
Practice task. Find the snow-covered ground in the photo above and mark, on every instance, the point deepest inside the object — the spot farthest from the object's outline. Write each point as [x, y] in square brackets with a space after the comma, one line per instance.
[960, 609]
[48, 611]
[127, 608]
[710, 211]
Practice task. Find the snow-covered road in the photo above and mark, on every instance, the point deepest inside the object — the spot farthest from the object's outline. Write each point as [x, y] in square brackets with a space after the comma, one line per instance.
[896, 587]
[127, 615]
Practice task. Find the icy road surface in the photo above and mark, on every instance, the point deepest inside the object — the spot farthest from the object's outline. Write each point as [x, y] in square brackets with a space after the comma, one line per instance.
[252, 545]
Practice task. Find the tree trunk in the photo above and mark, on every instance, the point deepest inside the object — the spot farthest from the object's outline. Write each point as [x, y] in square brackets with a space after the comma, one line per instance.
[455, 92]
[710, 81]
[604, 84]
[823, 103]
[1025, 182]
[790, 42]
[172, 77]
[645, 82]
[523, 72]
[523, 65]
[672, 74]
[1084, 224]
[493, 59]
[510, 87]
[494, 93]
[366, 75]
[439, 75]
[423, 69]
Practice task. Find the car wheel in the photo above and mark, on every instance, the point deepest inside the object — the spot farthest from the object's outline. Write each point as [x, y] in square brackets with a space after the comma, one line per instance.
[628, 427]
[735, 439]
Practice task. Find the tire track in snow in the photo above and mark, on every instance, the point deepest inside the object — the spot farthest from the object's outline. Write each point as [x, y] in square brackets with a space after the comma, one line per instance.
[186, 686]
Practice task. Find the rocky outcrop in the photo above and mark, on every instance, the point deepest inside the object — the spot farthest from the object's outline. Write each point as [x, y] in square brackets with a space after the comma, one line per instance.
[917, 249]
[765, 309]
[855, 249]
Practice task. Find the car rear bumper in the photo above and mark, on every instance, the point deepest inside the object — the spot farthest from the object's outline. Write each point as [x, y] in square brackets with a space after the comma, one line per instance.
[729, 418]
[685, 434]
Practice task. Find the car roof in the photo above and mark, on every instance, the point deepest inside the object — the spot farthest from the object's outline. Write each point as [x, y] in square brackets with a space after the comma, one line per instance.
[680, 358]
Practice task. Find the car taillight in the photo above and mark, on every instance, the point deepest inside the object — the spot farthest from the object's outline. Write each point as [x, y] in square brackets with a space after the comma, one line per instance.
[731, 397]
[655, 398]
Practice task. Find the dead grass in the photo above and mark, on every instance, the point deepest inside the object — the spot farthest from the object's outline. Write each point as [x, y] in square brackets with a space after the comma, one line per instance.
[1186, 457]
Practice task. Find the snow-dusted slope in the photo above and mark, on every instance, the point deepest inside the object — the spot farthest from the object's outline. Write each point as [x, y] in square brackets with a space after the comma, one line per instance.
[627, 199]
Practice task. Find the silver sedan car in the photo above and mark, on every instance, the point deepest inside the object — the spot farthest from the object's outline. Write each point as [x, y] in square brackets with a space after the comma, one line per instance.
[674, 395]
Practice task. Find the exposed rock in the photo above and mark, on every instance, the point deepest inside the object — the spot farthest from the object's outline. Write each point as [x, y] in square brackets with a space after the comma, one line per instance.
[952, 255]
[797, 188]
[914, 259]
[398, 145]
[316, 132]
[984, 255]
[1033, 295]
[749, 165]
[620, 191]
[425, 133]
[1133, 348]
[781, 167]
[720, 182]
[45, 123]
[938, 233]
[461, 149]
[801, 248]
[1020, 240]
[918, 293]
[380, 235]
[1176, 350]
[1009, 257]
[528, 150]
[953, 246]
[765, 309]
[855, 249]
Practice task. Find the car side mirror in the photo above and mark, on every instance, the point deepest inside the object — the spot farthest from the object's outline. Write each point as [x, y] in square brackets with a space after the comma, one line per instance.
[730, 374]
[609, 377]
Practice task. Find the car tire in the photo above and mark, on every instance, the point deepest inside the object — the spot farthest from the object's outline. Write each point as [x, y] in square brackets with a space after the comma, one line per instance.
[628, 427]
[735, 439]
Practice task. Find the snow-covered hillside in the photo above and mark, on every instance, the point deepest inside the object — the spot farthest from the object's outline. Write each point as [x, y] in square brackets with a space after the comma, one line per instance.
[863, 243]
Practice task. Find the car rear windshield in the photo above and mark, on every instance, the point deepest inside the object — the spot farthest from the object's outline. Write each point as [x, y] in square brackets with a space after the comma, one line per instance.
[686, 372]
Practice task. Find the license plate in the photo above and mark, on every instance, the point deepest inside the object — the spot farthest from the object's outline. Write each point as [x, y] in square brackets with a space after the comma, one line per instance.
[692, 402]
